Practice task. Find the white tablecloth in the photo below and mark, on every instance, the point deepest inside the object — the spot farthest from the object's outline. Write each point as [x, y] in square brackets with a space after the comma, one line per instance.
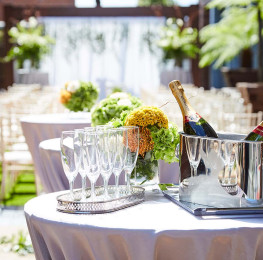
[37, 128]
[54, 179]
[155, 229]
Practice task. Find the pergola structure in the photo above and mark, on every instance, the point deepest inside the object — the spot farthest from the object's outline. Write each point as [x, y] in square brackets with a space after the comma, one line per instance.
[198, 17]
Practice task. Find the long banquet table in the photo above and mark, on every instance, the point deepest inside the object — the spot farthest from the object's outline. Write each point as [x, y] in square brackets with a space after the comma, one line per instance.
[155, 229]
[37, 128]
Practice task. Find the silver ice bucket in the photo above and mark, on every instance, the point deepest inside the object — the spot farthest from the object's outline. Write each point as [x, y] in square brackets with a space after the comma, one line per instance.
[229, 171]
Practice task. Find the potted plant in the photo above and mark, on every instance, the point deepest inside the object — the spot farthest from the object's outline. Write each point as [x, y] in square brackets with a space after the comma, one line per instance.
[238, 30]
[158, 140]
[177, 41]
[79, 96]
[29, 44]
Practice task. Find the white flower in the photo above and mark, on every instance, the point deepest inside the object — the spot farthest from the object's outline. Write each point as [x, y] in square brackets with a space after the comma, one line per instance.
[14, 31]
[23, 23]
[22, 39]
[190, 30]
[180, 22]
[32, 22]
[72, 86]
[120, 95]
[124, 102]
[169, 21]
[16, 50]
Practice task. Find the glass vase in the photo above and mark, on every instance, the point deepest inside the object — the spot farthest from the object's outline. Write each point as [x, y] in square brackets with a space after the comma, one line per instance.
[146, 171]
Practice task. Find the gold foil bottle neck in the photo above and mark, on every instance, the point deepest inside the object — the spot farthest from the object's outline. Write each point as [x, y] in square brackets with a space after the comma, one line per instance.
[175, 84]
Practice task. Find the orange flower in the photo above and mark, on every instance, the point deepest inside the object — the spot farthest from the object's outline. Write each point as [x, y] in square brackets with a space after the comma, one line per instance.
[146, 143]
[64, 96]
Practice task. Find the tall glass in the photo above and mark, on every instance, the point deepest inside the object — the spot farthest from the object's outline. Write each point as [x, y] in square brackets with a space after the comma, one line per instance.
[70, 146]
[91, 148]
[193, 152]
[230, 150]
[83, 166]
[106, 155]
[120, 143]
[132, 153]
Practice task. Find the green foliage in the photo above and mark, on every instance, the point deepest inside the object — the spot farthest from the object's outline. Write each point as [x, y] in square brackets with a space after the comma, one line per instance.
[178, 42]
[29, 42]
[163, 186]
[165, 142]
[20, 244]
[119, 121]
[116, 89]
[84, 98]
[155, 2]
[145, 167]
[236, 31]
[112, 107]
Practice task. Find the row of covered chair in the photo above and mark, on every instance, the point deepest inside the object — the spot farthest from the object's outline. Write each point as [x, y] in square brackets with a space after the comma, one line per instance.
[16, 102]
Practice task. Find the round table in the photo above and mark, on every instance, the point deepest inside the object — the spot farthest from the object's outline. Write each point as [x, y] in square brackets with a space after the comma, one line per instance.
[155, 229]
[37, 128]
[54, 179]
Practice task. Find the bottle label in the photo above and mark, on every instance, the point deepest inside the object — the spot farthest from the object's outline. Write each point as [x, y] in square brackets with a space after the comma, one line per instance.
[258, 130]
[192, 118]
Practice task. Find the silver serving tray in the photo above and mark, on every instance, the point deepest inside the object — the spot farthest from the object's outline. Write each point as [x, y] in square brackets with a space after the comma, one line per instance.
[100, 206]
[204, 210]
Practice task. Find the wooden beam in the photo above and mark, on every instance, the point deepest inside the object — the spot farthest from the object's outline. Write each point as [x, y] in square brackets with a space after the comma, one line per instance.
[106, 12]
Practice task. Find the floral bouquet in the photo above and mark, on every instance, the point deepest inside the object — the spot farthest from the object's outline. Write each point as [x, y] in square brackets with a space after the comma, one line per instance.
[79, 96]
[29, 43]
[112, 107]
[177, 41]
[158, 139]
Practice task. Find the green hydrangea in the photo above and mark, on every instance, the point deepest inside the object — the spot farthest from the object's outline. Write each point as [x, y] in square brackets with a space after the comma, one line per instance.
[165, 142]
[84, 98]
[112, 107]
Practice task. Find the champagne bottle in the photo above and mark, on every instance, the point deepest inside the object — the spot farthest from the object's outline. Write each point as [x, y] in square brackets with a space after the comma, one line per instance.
[256, 134]
[194, 124]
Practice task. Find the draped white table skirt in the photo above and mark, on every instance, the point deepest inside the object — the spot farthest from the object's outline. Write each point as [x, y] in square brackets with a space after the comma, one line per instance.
[37, 128]
[155, 229]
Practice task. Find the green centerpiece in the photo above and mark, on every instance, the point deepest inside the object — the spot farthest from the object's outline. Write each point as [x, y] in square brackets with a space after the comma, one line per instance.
[158, 140]
[79, 95]
[112, 107]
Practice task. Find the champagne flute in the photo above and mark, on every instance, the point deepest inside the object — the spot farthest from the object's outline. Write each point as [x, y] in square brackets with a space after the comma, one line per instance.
[132, 153]
[91, 149]
[223, 156]
[83, 166]
[106, 155]
[230, 150]
[70, 156]
[205, 149]
[119, 137]
[193, 152]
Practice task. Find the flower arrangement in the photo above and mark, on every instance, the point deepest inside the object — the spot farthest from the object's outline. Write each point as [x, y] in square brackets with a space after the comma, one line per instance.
[79, 95]
[29, 42]
[112, 107]
[177, 41]
[158, 138]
